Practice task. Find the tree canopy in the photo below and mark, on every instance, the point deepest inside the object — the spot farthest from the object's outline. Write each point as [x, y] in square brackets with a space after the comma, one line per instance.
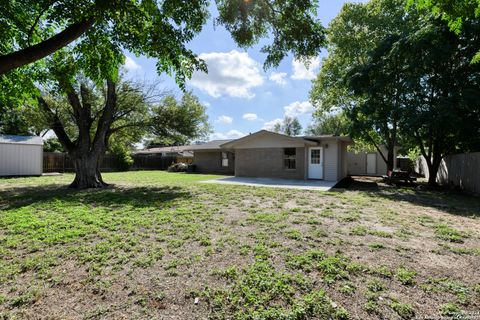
[346, 83]
[289, 126]
[456, 13]
[177, 122]
[99, 30]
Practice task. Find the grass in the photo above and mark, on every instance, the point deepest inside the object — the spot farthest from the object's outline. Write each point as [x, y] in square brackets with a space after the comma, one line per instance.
[164, 245]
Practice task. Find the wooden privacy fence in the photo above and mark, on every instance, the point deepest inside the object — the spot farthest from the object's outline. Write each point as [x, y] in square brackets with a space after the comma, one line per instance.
[60, 162]
[459, 170]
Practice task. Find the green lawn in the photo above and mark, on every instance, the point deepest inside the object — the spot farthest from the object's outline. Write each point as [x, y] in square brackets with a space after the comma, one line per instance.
[155, 242]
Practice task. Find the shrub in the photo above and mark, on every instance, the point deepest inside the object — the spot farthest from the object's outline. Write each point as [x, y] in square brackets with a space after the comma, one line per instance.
[123, 159]
[178, 167]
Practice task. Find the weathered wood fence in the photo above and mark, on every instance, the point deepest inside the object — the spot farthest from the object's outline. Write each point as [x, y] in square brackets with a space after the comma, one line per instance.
[458, 170]
[60, 162]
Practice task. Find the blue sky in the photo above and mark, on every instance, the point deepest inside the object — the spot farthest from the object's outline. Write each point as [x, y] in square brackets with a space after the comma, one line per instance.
[240, 96]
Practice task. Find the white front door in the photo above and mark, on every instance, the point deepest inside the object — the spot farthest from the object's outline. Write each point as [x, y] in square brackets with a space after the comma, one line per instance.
[315, 163]
[371, 163]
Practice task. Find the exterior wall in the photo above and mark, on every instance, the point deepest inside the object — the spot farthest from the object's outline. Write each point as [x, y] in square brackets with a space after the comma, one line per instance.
[330, 162]
[211, 162]
[268, 162]
[357, 163]
[20, 159]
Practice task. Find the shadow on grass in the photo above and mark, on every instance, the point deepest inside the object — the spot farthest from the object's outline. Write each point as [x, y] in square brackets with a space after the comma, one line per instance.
[112, 196]
[449, 201]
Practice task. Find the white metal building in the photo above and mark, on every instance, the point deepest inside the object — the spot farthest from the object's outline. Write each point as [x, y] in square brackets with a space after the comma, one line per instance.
[21, 155]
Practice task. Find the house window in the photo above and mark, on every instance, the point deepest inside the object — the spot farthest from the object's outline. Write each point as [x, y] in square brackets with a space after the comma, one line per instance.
[290, 158]
[315, 156]
[224, 159]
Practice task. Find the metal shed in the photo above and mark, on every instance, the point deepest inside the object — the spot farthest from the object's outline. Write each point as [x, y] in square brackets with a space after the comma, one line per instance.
[21, 155]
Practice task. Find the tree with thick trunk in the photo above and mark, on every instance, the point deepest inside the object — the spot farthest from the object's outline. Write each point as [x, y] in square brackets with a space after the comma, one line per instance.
[91, 142]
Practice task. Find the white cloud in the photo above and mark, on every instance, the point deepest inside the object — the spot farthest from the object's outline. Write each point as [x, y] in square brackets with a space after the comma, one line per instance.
[250, 116]
[224, 120]
[278, 78]
[206, 104]
[130, 64]
[297, 108]
[231, 73]
[269, 125]
[301, 72]
[232, 134]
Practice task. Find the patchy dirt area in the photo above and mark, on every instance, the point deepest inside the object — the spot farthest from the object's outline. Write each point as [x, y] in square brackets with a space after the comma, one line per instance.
[163, 246]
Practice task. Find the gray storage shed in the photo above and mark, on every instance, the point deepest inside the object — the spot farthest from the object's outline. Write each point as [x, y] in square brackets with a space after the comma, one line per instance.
[21, 155]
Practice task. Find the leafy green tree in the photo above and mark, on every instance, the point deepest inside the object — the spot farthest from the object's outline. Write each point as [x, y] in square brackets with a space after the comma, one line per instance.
[289, 126]
[325, 124]
[85, 115]
[456, 13]
[177, 122]
[442, 111]
[89, 38]
[346, 81]
[52, 145]
[99, 30]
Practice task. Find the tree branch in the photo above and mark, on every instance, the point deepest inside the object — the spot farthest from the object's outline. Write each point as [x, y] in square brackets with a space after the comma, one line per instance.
[56, 125]
[37, 19]
[36, 52]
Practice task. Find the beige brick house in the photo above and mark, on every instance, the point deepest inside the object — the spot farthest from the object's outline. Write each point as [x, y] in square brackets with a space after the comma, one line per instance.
[273, 155]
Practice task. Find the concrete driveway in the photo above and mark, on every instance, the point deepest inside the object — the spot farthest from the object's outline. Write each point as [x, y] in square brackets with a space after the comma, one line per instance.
[318, 185]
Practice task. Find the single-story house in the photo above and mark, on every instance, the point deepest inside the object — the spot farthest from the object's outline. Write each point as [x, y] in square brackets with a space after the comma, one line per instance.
[21, 155]
[273, 155]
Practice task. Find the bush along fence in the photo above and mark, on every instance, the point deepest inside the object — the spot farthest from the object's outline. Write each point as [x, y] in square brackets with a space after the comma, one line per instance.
[60, 162]
[458, 170]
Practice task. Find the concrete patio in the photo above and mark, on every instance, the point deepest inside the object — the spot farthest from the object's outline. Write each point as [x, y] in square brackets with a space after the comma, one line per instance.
[318, 185]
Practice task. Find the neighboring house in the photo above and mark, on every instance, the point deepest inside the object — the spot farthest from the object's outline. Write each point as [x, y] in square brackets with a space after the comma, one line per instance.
[274, 155]
[369, 163]
[173, 151]
[21, 155]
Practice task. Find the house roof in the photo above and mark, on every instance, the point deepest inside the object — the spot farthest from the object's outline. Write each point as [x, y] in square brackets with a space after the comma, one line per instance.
[260, 133]
[27, 140]
[328, 137]
[212, 145]
[171, 149]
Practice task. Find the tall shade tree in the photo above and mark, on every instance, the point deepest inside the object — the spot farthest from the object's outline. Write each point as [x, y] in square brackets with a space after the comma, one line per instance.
[442, 111]
[289, 126]
[95, 34]
[85, 114]
[177, 122]
[326, 124]
[99, 30]
[352, 36]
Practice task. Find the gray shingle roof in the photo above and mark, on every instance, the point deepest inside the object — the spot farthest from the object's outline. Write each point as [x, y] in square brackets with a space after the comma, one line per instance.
[212, 145]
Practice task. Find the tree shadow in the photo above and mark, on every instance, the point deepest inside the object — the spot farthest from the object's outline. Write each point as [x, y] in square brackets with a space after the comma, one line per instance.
[446, 200]
[111, 197]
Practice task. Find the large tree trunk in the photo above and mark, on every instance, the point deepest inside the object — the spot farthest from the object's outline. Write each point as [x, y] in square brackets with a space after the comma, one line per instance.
[87, 174]
[433, 167]
[390, 159]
